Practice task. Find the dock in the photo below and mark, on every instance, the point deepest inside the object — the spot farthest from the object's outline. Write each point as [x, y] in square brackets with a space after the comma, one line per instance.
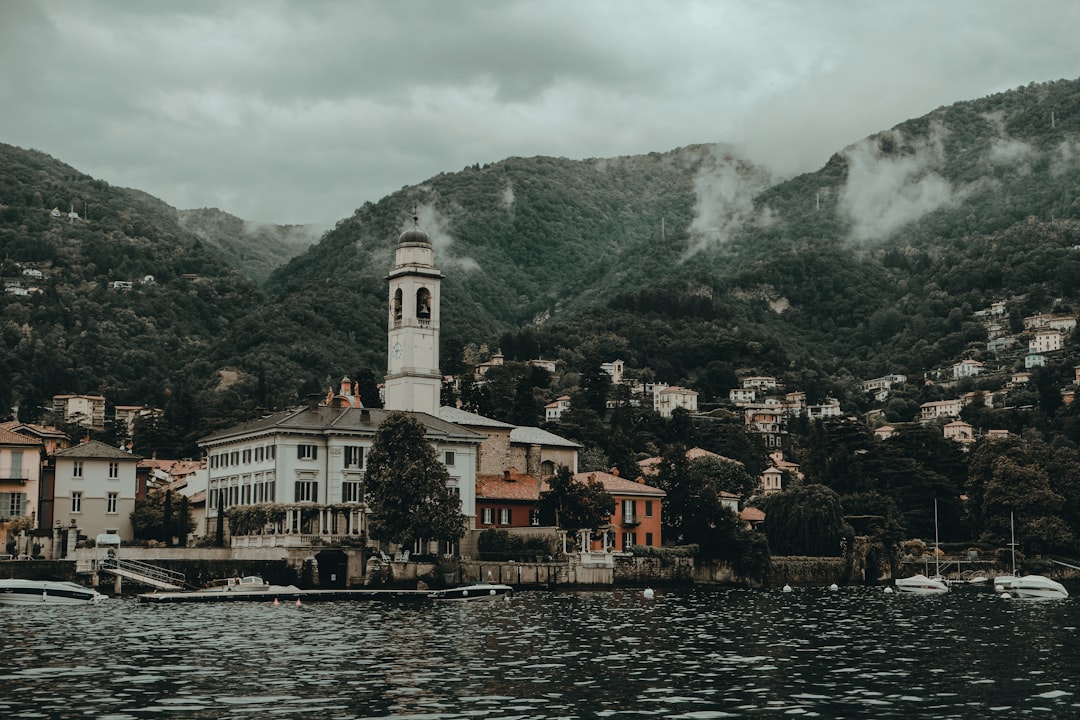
[281, 595]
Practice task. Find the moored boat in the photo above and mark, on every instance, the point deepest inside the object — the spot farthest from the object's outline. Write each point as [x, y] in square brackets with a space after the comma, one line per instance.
[476, 591]
[922, 585]
[250, 587]
[51, 592]
[1037, 587]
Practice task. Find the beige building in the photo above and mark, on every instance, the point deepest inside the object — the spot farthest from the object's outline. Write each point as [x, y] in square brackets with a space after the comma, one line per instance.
[93, 487]
[20, 476]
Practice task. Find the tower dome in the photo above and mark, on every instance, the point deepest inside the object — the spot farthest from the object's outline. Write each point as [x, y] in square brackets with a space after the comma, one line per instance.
[414, 235]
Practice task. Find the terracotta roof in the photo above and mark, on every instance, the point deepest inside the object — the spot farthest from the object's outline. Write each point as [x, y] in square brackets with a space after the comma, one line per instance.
[618, 485]
[8, 437]
[752, 514]
[508, 486]
[39, 430]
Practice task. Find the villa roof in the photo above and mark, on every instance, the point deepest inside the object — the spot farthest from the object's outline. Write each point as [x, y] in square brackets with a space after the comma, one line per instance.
[96, 450]
[618, 485]
[510, 485]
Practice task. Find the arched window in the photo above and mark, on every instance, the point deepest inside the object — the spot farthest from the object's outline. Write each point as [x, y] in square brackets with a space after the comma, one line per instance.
[397, 307]
[423, 304]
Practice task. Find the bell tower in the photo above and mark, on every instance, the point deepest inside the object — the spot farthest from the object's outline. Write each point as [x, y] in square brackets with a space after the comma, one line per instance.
[413, 380]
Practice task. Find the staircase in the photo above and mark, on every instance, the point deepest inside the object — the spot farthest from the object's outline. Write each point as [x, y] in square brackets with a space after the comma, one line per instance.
[144, 573]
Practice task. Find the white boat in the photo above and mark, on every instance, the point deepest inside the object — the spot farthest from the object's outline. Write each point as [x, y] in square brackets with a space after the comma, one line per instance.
[249, 587]
[922, 585]
[51, 592]
[476, 591]
[1038, 587]
[1004, 583]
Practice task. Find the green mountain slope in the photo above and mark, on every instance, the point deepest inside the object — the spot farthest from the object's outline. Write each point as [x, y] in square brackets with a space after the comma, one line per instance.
[691, 264]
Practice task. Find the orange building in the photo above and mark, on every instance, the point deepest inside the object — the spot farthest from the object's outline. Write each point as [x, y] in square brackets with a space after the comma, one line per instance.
[636, 520]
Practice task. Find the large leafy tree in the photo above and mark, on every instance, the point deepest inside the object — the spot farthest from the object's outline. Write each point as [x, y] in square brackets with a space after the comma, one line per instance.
[407, 486]
[1023, 480]
[573, 504]
[158, 516]
[805, 520]
[693, 511]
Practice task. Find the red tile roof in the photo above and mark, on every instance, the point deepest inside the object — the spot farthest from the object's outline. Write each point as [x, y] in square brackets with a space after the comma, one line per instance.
[617, 485]
[510, 485]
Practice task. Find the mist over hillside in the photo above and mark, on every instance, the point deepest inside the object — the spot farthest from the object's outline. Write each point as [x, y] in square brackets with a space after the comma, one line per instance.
[690, 265]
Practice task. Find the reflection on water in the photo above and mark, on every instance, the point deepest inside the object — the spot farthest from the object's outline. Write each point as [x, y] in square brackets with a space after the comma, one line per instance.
[685, 654]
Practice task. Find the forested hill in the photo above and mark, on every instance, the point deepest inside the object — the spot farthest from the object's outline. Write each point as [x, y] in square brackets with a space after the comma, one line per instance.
[692, 263]
[254, 249]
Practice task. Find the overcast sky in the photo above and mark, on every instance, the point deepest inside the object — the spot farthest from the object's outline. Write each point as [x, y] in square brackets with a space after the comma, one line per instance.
[300, 111]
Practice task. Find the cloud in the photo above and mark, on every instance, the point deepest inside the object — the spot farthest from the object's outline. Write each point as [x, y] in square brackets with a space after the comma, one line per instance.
[886, 190]
[294, 112]
[436, 225]
[725, 188]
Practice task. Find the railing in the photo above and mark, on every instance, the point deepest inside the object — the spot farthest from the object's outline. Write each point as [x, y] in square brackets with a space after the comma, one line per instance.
[146, 570]
[631, 520]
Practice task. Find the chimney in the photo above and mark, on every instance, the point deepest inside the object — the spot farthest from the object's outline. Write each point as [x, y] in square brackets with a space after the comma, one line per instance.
[615, 471]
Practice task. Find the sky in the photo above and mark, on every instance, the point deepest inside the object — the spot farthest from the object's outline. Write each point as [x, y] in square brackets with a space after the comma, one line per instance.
[290, 111]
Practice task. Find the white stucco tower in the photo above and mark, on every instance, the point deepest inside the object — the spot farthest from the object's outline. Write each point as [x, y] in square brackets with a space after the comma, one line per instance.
[413, 380]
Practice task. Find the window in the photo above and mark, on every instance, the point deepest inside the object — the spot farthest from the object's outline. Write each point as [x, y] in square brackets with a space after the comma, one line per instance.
[234, 457]
[487, 516]
[76, 502]
[449, 458]
[628, 510]
[628, 540]
[352, 491]
[271, 452]
[247, 456]
[12, 505]
[306, 491]
[354, 456]
[258, 454]
[504, 516]
[307, 452]
[114, 470]
[77, 469]
[648, 508]
[534, 517]
[648, 539]
[111, 502]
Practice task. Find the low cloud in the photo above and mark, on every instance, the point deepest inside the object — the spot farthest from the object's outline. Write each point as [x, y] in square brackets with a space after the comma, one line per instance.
[436, 225]
[725, 187]
[887, 190]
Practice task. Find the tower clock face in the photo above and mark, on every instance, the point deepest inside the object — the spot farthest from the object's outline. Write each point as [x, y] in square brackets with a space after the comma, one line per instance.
[397, 350]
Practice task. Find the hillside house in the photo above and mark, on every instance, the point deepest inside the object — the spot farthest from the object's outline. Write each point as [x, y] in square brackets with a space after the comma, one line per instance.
[1045, 340]
[507, 446]
[760, 382]
[742, 396]
[967, 368]
[940, 409]
[554, 410]
[959, 431]
[666, 401]
[615, 369]
[85, 410]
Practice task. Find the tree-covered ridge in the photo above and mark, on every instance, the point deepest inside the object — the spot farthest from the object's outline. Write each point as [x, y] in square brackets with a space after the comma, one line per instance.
[689, 265]
[254, 249]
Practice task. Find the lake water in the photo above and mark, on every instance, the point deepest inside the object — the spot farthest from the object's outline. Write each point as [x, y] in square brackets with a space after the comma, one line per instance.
[694, 653]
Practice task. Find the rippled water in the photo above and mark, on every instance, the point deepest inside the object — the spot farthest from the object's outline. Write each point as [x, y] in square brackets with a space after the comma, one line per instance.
[695, 653]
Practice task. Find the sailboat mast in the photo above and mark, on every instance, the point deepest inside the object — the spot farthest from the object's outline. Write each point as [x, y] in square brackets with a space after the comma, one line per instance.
[937, 548]
[1012, 540]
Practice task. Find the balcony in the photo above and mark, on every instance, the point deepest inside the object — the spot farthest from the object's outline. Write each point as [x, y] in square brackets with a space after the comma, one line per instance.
[11, 475]
[629, 520]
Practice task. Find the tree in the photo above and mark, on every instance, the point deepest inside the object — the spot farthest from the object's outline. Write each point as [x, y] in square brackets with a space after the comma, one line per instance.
[805, 520]
[148, 519]
[694, 512]
[572, 504]
[408, 487]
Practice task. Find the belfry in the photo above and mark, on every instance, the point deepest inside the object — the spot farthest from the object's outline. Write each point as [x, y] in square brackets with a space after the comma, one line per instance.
[413, 380]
